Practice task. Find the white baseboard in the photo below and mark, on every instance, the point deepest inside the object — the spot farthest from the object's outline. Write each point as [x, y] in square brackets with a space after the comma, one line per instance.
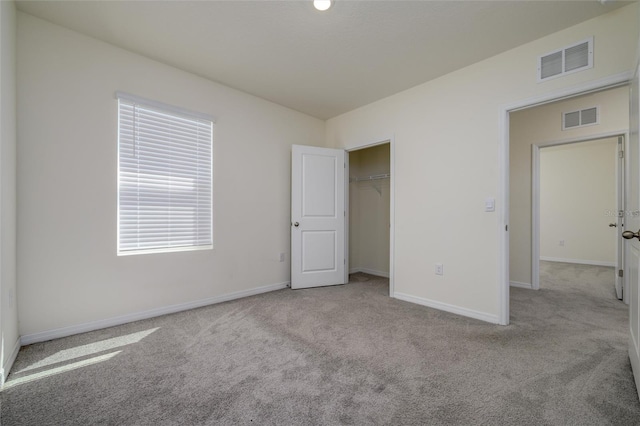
[110, 322]
[634, 356]
[578, 261]
[482, 316]
[8, 363]
[520, 285]
[370, 272]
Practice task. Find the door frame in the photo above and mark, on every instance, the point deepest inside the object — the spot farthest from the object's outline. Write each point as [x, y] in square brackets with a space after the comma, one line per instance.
[535, 195]
[392, 202]
[503, 222]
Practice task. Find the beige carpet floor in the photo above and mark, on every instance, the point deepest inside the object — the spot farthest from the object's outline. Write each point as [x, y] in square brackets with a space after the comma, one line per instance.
[343, 355]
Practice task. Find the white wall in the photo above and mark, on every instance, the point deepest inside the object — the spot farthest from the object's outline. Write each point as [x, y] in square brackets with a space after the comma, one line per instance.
[9, 313]
[447, 161]
[369, 211]
[68, 270]
[578, 201]
[540, 125]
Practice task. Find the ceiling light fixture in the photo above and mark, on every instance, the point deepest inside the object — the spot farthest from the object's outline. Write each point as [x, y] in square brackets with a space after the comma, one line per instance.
[322, 4]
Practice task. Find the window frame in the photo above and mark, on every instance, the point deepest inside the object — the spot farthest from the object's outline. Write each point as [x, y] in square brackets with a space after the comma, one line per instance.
[176, 112]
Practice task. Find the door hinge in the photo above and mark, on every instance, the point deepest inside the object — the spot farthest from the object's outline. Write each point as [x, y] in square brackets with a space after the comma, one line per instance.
[620, 154]
[506, 228]
[620, 273]
[344, 261]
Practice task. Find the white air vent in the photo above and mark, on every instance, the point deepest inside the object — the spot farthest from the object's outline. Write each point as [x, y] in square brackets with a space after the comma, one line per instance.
[577, 57]
[581, 118]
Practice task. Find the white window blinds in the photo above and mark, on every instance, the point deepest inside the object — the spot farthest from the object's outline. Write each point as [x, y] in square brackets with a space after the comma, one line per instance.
[164, 178]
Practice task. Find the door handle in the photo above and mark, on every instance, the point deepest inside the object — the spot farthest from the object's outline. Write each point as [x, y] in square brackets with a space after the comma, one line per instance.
[627, 235]
[296, 224]
[613, 225]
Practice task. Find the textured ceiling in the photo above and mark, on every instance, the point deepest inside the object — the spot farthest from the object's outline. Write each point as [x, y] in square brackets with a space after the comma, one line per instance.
[319, 63]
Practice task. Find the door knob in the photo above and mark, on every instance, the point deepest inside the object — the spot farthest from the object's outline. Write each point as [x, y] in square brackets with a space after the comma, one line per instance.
[627, 235]
[296, 224]
[613, 225]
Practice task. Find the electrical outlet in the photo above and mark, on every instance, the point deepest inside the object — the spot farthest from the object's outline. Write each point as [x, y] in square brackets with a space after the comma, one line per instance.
[561, 243]
[281, 257]
[439, 269]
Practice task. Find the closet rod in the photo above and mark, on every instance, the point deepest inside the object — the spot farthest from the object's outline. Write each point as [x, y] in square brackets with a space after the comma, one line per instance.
[373, 177]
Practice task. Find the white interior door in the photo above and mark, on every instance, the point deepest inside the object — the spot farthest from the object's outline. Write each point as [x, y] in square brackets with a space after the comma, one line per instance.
[620, 198]
[318, 216]
[632, 224]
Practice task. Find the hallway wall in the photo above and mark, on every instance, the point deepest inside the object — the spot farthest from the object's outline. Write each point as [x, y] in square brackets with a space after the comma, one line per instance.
[578, 201]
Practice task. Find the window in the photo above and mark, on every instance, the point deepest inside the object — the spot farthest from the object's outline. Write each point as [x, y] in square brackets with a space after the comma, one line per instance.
[164, 177]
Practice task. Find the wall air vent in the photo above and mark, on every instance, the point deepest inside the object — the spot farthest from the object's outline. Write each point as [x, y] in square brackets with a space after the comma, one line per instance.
[581, 118]
[574, 58]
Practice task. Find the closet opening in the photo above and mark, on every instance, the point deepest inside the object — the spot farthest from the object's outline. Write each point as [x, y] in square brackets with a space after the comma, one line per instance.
[369, 221]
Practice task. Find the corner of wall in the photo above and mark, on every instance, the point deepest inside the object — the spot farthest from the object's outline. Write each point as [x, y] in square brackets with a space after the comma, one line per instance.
[8, 144]
[8, 361]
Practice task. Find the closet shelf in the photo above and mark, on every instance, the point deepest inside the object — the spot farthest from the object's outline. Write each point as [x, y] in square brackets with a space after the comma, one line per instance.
[372, 177]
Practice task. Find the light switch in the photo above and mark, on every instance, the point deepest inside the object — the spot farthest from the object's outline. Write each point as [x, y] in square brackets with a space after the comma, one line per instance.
[490, 204]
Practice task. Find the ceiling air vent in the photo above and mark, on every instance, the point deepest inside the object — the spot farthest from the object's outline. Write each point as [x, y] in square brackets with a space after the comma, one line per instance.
[577, 57]
[581, 118]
